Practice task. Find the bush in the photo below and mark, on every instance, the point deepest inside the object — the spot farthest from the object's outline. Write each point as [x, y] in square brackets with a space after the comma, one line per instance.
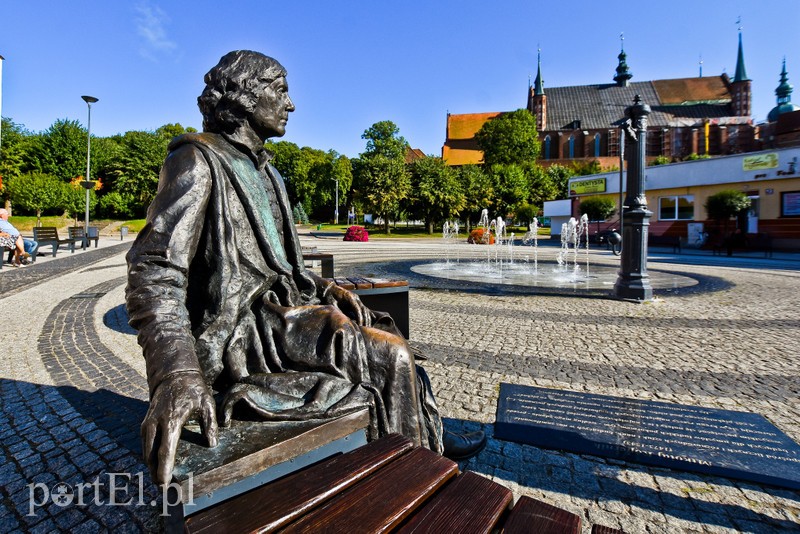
[115, 205]
[476, 237]
[356, 233]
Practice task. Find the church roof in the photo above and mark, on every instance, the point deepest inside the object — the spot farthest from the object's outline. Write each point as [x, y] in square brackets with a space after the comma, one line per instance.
[676, 102]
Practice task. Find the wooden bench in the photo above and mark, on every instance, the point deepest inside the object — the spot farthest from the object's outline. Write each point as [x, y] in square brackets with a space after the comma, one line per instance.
[76, 233]
[665, 241]
[326, 259]
[387, 485]
[48, 235]
[390, 296]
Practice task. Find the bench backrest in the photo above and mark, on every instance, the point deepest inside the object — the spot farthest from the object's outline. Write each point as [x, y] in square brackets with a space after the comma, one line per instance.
[45, 233]
[75, 232]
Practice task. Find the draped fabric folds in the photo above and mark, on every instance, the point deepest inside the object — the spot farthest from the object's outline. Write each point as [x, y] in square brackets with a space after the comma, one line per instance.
[217, 284]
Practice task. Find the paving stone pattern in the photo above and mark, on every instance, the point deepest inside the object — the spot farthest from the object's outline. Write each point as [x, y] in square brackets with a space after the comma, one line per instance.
[73, 388]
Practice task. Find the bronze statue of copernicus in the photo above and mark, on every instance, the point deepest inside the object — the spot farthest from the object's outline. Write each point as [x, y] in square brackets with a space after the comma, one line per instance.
[228, 315]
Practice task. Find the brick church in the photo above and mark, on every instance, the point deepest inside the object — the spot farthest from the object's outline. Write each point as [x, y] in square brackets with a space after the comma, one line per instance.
[701, 115]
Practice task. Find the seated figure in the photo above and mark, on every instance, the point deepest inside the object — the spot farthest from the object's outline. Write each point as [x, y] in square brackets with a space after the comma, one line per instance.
[225, 307]
[23, 250]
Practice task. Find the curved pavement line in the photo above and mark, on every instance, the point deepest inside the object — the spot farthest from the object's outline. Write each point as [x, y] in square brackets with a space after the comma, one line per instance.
[13, 280]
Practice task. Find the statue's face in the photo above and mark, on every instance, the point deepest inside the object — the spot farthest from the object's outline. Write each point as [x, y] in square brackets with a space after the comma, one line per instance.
[272, 111]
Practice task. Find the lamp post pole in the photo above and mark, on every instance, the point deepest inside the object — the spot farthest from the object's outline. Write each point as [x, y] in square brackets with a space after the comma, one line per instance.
[88, 183]
[336, 206]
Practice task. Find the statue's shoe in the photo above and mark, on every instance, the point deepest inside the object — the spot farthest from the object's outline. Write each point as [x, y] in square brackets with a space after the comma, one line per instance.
[463, 446]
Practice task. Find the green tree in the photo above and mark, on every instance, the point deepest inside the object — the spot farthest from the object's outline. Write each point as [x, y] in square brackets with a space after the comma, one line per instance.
[134, 170]
[478, 191]
[725, 205]
[585, 168]
[16, 143]
[382, 183]
[542, 185]
[383, 138]
[437, 194]
[598, 209]
[60, 150]
[172, 130]
[559, 176]
[510, 187]
[73, 200]
[510, 138]
[35, 192]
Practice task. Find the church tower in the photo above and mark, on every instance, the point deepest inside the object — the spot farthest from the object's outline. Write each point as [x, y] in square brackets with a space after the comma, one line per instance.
[623, 75]
[784, 97]
[740, 86]
[537, 100]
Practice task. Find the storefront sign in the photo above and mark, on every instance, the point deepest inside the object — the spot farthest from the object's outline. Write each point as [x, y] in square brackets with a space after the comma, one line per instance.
[762, 161]
[584, 187]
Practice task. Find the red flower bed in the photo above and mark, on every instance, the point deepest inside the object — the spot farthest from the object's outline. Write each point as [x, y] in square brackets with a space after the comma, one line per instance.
[476, 237]
[356, 233]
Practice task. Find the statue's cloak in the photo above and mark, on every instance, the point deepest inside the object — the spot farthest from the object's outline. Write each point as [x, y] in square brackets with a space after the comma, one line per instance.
[217, 283]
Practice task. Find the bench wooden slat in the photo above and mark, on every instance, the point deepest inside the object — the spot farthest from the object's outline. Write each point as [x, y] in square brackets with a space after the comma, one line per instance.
[385, 282]
[272, 506]
[360, 283]
[530, 515]
[382, 501]
[469, 504]
[344, 283]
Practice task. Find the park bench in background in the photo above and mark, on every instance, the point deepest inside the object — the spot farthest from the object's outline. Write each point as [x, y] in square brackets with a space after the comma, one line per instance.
[326, 259]
[77, 234]
[48, 235]
[665, 241]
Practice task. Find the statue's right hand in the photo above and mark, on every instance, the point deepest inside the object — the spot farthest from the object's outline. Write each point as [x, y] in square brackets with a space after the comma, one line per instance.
[177, 399]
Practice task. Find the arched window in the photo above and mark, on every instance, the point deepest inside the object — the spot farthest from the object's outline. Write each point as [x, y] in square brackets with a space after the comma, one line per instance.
[571, 147]
[546, 147]
[597, 145]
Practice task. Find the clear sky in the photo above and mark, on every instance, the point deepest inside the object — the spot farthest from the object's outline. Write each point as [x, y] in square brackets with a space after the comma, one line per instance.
[353, 63]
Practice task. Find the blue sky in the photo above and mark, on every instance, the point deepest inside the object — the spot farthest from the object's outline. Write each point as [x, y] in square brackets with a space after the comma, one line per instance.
[353, 63]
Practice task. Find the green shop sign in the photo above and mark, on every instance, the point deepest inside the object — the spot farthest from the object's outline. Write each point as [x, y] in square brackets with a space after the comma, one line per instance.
[585, 187]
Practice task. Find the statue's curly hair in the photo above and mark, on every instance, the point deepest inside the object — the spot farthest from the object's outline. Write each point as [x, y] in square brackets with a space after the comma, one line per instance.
[233, 88]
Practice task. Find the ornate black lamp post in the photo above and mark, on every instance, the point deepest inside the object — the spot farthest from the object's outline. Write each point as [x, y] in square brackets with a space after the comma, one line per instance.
[633, 282]
[88, 183]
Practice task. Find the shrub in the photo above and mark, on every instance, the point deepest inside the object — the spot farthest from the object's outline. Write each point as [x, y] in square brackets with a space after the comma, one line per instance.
[356, 233]
[476, 237]
[299, 214]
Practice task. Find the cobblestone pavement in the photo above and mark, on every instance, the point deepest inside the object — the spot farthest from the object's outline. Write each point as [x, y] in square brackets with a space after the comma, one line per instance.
[73, 388]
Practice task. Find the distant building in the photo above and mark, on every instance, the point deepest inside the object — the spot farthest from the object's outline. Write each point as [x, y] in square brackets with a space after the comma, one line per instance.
[677, 193]
[701, 115]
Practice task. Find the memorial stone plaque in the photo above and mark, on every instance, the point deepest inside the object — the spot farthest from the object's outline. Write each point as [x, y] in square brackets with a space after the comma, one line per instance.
[726, 443]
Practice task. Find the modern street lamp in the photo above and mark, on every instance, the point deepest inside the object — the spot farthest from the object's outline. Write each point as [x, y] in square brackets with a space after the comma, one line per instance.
[336, 206]
[88, 183]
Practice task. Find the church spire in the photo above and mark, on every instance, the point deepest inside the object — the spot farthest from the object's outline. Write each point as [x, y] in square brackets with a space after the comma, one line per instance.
[784, 97]
[784, 90]
[623, 74]
[538, 83]
[741, 72]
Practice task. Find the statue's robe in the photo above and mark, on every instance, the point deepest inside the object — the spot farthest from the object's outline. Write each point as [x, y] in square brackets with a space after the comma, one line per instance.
[217, 284]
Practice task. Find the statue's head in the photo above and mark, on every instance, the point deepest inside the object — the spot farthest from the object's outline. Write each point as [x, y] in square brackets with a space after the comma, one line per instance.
[234, 87]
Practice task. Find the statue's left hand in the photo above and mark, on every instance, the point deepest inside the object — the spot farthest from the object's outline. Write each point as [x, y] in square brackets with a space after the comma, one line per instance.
[177, 399]
[350, 304]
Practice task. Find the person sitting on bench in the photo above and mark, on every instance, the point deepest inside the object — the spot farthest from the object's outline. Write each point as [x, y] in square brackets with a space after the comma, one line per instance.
[11, 238]
[223, 302]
